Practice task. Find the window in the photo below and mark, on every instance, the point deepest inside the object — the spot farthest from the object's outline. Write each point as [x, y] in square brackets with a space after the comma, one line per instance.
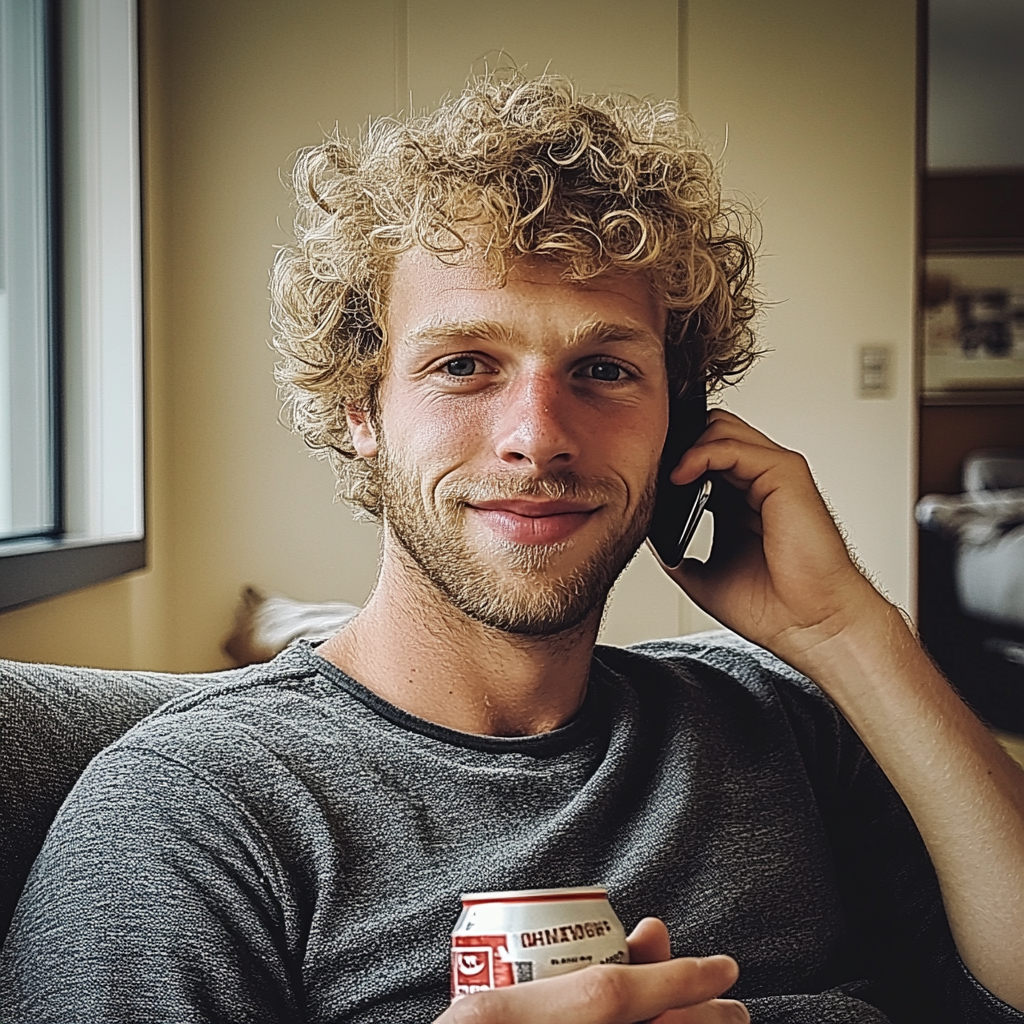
[28, 496]
[71, 464]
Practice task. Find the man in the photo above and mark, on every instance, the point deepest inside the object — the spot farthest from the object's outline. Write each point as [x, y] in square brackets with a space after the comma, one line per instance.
[483, 320]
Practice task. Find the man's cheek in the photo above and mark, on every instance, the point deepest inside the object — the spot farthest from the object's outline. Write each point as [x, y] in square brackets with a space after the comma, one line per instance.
[447, 439]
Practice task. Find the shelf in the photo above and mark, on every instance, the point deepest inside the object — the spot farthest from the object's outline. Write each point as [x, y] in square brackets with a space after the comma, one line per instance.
[975, 397]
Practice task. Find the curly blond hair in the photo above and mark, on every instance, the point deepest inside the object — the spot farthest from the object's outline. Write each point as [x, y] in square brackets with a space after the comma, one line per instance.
[600, 184]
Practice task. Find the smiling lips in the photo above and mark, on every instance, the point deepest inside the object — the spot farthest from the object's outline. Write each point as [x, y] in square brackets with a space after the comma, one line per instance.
[533, 522]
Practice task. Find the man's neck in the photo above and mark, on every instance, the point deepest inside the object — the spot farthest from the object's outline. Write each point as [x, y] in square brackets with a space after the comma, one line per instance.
[410, 646]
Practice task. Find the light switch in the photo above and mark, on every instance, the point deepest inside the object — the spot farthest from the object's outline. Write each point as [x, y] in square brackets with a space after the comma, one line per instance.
[875, 371]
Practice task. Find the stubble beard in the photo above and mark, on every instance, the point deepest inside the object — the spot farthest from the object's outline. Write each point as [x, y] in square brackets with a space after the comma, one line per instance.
[516, 590]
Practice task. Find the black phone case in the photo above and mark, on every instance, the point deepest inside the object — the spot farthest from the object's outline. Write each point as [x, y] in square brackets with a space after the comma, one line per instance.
[677, 509]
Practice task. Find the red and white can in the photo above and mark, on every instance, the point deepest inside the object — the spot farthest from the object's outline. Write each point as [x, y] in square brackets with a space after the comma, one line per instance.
[506, 938]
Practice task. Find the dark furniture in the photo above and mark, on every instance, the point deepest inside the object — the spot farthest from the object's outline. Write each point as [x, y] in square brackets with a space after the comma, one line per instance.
[967, 649]
[968, 212]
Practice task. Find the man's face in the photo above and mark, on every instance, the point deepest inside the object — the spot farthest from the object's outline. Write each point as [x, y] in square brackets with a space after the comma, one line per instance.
[519, 434]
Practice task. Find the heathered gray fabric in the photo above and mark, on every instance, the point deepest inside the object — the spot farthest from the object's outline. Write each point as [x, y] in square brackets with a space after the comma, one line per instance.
[288, 847]
[53, 720]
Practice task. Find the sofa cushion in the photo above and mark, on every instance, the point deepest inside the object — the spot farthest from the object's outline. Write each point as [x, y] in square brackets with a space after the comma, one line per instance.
[53, 721]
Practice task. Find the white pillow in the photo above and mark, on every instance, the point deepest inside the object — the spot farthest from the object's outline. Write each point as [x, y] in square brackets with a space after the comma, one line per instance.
[266, 624]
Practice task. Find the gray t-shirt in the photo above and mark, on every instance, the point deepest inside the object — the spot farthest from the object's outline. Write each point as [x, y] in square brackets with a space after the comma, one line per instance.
[290, 847]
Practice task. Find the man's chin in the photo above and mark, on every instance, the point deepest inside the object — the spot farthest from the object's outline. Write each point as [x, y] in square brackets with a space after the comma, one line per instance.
[530, 611]
[535, 564]
[532, 590]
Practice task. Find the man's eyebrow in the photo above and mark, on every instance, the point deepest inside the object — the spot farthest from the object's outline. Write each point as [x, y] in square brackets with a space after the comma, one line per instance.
[450, 330]
[590, 333]
[602, 332]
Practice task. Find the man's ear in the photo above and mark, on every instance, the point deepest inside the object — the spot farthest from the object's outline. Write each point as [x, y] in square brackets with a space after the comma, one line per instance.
[364, 437]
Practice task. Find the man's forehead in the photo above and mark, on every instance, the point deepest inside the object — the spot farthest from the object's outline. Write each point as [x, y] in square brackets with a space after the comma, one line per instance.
[426, 287]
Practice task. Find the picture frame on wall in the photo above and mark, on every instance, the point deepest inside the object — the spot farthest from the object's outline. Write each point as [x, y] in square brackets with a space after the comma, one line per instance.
[973, 323]
[972, 289]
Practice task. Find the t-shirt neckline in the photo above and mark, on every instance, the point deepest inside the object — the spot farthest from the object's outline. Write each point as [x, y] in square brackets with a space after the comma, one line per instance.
[566, 737]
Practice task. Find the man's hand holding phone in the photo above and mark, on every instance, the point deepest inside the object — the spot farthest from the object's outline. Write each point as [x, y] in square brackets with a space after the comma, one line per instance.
[779, 572]
[652, 987]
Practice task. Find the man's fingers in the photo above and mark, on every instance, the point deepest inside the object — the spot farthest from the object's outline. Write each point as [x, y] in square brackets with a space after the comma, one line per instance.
[750, 468]
[606, 994]
[752, 463]
[722, 423]
[717, 1011]
[649, 942]
[730, 509]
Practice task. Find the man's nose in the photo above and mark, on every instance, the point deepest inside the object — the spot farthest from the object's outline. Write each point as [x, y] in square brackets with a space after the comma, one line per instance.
[535, 426]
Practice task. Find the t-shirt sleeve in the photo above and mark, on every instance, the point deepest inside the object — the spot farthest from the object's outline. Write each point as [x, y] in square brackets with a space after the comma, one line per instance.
[898, 933]
[155, 898]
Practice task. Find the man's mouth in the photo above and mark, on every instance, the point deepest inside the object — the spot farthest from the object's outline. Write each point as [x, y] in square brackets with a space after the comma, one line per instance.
[533, 521]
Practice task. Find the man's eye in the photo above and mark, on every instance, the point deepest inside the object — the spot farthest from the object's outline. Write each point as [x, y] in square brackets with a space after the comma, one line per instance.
[464, 366]
[605, 371]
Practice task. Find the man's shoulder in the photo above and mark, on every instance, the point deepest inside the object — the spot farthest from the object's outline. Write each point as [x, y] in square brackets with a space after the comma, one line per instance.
[260, 715]
[237, 766]
[710, 658]
[719, 676]
[734, 699]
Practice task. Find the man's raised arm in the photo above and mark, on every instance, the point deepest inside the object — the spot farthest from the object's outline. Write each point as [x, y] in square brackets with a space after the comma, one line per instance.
[781, 576]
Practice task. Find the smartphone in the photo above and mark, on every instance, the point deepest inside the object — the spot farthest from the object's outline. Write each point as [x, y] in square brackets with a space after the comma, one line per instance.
[677, 509]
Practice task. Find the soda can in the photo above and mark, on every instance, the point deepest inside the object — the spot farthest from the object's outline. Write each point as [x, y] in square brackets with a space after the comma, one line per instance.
[507, 938]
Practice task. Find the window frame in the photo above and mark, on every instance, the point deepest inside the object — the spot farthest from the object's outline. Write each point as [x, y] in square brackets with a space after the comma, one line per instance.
[33, 568]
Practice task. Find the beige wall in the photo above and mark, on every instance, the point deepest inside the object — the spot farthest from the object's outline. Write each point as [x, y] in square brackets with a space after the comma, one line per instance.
[819, 104]
[818, 101]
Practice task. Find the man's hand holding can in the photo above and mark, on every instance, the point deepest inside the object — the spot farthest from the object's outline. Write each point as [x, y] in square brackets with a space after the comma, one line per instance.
[651, 987]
